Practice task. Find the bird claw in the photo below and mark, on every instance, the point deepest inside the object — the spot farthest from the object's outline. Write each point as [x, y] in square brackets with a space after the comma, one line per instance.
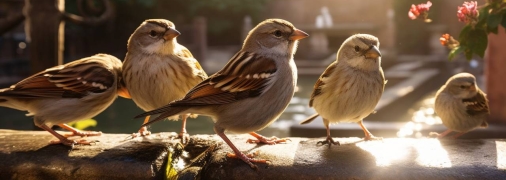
[328, 141]
[71, 143]
[371, 137]
[141, 133]
[248, 159]
[84, 133]
[185, 137]
[270, 141]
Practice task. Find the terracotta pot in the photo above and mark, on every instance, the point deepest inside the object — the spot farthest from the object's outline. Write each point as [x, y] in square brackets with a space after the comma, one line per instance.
[495, 75]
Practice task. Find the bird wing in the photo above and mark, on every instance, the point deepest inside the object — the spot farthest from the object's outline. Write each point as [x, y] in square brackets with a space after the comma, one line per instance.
[477, 105]
[246, 75]
[73, 80]
[317, 90]
[185, 53]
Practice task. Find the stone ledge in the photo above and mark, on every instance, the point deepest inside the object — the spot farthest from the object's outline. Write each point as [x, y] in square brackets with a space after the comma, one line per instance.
[26, 155]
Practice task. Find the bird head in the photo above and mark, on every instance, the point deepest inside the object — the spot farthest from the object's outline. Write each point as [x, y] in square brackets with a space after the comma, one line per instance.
[154, 36]
[275, 37]
[462, 85]
[360, 51]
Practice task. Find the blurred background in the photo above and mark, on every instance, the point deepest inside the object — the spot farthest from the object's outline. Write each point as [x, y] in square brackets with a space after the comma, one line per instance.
[37, 34]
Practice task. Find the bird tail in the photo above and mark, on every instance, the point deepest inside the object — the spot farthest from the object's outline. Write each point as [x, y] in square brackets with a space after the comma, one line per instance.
[165, 111]
[1, 92]
[310, 119]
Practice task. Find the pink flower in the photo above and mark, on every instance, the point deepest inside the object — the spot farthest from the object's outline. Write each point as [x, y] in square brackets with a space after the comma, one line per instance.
[448, 41]
[468, 12]
[444, 39]
[419, 9]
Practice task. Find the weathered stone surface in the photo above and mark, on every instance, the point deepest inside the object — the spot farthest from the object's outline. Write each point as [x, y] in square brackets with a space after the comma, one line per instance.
[26, 155]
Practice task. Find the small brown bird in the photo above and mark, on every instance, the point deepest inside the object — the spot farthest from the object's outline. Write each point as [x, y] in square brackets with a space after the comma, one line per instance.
[74, 91]
[350, 87]
[158, 70]
[461, 105]
[251, 91]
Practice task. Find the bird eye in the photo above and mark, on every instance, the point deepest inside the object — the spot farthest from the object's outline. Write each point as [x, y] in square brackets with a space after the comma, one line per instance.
[462, 87]
[357, 48]
[152, 33]
[277, 33]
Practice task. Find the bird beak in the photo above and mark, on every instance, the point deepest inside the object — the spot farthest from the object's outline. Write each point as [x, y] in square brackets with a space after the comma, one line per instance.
[472, 88]
[170, 34]
[372, 53]
[298, 34]
[123, 92]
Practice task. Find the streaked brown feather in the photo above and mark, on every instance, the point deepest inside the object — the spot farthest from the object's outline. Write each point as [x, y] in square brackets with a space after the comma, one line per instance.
[210, 91]
[477, 105]
[62, 81]
[185, 53]
[319, 83]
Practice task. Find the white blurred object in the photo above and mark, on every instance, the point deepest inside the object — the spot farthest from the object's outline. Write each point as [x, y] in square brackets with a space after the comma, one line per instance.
[246, 26]
[324, 19]
[474, 63]
[327, 19]
[319, 22]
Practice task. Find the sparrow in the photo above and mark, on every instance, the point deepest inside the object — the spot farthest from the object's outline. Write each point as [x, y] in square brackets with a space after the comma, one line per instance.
[350, 87]
[251, 91]
[66, 93]
[461, 105]
[159, 70]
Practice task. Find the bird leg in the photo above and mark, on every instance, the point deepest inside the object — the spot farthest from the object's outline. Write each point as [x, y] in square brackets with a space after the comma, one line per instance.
[263, 140]
[329, 139]
[77, 132]
[443, 134]
[248, 159]
[458, 135]
[368, 135]
[185, 137]
[143, 131]
[61, 139]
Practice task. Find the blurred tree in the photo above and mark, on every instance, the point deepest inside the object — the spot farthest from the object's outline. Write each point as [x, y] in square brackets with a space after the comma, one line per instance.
[224, 17]
[44, 27]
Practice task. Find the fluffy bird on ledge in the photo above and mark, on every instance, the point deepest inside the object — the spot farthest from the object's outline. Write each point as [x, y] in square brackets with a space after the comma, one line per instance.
[71, 92]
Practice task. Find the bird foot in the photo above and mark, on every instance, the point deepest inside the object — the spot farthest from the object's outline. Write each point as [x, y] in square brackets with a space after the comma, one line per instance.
[185, 137]
[248, 159]
[141, 133]
[270, 141]
[71, 143]
[84, 133]
[434, 134]
[371, 137]
[328, 141]
[438, 135]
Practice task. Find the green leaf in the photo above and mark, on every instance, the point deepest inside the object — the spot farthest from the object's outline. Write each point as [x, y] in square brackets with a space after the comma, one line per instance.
[454, 52]
[483, 16]
[478, 41]
[83, 124]
[493, 21]
[468, 53]
[170, 171]
[464, 34]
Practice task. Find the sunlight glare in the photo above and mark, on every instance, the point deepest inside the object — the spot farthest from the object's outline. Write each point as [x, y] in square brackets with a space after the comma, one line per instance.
[501, 154]
[405, 90]
[431, 154]
[386, 151]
